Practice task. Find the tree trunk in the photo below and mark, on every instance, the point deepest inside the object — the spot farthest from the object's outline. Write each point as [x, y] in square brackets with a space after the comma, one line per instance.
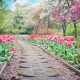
[34, 30]
[75, 30]
[64, 28]
[37, 28]
[47, 25]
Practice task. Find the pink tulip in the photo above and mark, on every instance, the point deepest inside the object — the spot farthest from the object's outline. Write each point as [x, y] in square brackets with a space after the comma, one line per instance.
[68, 43]
[1, 38]
[60, 40]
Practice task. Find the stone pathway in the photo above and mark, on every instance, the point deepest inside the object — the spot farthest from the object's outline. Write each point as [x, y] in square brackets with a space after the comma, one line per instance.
[34, 64]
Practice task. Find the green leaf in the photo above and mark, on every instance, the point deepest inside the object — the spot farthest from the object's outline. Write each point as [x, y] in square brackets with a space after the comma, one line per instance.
[2, 59]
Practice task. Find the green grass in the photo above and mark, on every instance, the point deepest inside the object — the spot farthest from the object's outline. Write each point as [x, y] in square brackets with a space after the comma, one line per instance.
[77, 41]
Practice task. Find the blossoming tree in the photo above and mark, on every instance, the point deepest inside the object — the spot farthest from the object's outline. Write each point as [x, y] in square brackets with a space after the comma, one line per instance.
[75, 14]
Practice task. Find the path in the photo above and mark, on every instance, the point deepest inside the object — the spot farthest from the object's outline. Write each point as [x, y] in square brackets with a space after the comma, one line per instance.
[34, 64]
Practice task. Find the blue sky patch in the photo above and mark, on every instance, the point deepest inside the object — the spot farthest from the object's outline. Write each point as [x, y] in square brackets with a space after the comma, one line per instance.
[9, 2]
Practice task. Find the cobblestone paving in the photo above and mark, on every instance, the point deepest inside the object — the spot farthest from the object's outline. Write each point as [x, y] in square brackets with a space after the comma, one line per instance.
[34, 64]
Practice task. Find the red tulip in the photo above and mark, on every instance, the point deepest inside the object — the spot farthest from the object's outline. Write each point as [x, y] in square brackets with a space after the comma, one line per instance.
[12, 49]
[73, 42]
[78, 45]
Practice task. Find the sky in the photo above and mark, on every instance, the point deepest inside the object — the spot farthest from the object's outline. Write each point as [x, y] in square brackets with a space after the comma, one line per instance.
[9, 2]
[33, 1]
[12, 4]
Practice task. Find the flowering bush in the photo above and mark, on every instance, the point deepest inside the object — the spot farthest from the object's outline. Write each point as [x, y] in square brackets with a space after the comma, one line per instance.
[64, 47]
[6, 47]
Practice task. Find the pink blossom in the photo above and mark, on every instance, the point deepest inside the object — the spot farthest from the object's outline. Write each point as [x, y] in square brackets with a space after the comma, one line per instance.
[75, 11]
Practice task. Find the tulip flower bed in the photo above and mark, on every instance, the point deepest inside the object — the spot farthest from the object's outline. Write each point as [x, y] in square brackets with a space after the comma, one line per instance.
[6, 47]
[64, 47]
